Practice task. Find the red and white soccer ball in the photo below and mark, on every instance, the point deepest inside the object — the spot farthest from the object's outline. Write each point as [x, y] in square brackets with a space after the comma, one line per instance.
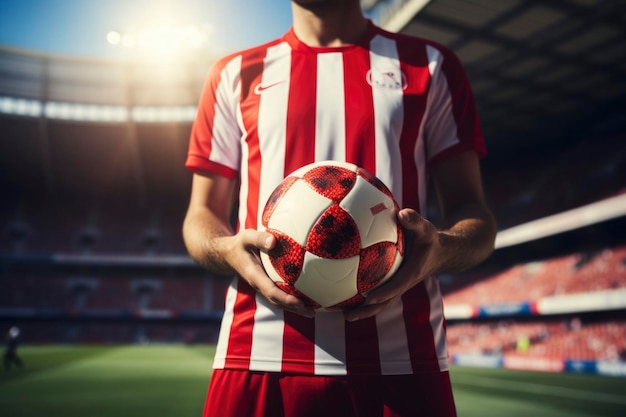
[337, 234]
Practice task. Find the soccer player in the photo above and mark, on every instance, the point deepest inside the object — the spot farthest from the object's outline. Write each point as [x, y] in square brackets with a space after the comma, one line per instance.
[337, 87]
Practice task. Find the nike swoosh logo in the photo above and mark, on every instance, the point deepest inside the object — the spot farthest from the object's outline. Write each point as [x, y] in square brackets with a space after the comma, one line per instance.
[260, 88]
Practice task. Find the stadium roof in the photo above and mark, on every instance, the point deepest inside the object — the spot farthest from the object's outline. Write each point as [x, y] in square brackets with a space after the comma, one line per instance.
[544, 73]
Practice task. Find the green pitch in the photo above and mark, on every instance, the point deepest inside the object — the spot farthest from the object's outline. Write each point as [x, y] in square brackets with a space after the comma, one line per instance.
[120, 381]
[171, 380]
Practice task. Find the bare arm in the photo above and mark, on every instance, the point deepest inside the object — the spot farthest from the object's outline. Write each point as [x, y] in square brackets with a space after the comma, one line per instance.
[212, 243]
[207, 221]
[465, 239]
[469, 228]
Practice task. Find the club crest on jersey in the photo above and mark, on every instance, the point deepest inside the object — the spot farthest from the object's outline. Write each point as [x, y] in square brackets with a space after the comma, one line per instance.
[389, 78]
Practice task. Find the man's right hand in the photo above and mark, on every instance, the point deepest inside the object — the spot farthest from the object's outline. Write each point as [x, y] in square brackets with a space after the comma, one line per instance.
[212, 243]
[242, 253]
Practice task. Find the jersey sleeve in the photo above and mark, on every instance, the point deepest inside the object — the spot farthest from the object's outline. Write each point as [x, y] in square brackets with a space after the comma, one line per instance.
[452, 125]
[214, 145]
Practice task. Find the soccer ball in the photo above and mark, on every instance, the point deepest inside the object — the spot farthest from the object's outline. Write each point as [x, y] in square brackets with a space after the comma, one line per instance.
[337, 234]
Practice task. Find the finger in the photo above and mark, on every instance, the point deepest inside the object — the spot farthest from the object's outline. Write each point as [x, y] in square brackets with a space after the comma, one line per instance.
[259, 240]
[381, 296]
[384, 293]
[264, 285]
[289, 302]
[265, 240]
[365, 311]
[410, 219]
[279, 298]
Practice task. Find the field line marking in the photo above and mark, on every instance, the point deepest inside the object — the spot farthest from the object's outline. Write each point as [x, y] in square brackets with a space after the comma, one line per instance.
[534, 388]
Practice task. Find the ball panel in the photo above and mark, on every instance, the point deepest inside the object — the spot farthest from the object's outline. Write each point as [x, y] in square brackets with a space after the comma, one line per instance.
[303, 169]
[286, 258]
[297, 211]
[331, 181]
[328, 282]
[269, 268]
[400, 242]
[335, 235]
[274, 198]
[396, 264]
[373, 211]
[290, 289]
[374, 180]
[376, 262]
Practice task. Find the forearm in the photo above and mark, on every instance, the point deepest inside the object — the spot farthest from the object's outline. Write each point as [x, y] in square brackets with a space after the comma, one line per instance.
[467, 238]
[206, 239]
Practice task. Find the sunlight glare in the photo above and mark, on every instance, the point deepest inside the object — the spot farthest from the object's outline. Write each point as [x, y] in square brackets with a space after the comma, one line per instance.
[114, 37]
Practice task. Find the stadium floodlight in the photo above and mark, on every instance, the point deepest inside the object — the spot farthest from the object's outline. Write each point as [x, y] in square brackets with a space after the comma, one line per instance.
[160, 41]
[114, 37]
[163, 114]
[85, 112]
[97, 112]
[20, 106]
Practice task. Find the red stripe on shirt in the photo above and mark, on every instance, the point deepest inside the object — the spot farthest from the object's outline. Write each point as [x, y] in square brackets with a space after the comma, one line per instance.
[463, 105]
[299, 332]
[359, 110]
[362, 354]
[200, 143]
[251, 73]
[420, 337]
[300, 134]
[240, 337]
[414, 102]
[298, 344]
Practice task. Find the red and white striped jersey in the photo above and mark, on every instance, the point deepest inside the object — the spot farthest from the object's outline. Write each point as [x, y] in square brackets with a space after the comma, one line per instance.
[393, 104]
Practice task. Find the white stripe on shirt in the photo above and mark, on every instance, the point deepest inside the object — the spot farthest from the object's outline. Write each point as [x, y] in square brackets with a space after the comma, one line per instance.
[330, 122]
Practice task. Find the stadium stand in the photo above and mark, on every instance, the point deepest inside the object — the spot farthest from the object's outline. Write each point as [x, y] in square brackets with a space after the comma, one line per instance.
[563, 339]
[572, 273]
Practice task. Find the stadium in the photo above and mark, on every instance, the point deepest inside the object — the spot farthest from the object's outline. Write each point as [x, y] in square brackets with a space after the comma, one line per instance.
[94, 272]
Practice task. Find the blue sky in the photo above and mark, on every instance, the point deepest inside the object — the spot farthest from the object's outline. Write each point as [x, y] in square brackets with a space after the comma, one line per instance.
[80, 27]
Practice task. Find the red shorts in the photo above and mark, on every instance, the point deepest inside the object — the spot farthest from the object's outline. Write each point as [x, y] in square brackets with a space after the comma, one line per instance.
[259, 394]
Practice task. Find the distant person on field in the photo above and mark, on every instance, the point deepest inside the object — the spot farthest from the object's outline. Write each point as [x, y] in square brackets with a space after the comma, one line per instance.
[10, 354]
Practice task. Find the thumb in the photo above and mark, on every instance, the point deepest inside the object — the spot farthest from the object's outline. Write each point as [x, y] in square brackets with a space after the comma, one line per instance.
[410, 219]
[266, 240]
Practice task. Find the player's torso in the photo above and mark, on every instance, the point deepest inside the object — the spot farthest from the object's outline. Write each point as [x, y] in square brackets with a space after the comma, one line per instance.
[355, 104]
[361, 105]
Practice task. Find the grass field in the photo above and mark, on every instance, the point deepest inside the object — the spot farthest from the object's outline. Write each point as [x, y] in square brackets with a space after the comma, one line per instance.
[171, 380]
